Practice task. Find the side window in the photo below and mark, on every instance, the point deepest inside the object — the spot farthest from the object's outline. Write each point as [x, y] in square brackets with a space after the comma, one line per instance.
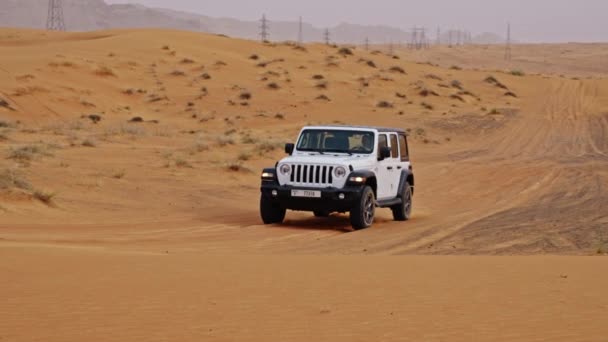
[394, 146]
[404, 148]
[382, 142]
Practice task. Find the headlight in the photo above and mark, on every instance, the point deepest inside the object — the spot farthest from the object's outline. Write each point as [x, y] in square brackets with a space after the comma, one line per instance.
[267, 175]
[340, 172]
[357, 180]
[285, 169]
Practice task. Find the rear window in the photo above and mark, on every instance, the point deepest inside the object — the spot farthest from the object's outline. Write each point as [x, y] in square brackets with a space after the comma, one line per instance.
[394, 146]
[404, 148]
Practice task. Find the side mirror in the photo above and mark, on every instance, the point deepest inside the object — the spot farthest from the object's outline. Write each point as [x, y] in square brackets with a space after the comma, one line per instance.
[289, 148]
[385, 152]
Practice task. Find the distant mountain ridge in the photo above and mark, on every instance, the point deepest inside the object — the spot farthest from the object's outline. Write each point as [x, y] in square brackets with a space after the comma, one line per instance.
[88, 15]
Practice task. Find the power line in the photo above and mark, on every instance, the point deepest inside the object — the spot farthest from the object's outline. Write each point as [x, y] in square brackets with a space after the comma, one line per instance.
[438, 42]
[418, 38]
[264, 29]
[508, 45]
[366, 44]
[300, 33]
[54, 20]
[327, 37]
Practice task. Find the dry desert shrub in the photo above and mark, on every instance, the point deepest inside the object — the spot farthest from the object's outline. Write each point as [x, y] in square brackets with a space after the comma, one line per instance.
[323, 97]
[345, 51]
[384, 104]
[321, 85]
[244, 156]
[254, 57]
[318, 77]
[456, 84]
[89, 142]
[427, 92]
[433, 77]
[427, 105]
[187, 61]
[45, 197]
[223, 141]
[177, 73]
[23, 91]
[457, 97]
[273, 86]
[28, 153]
[492, 80]
[125, 130]
[245, 95]
[180, 162]
[397, 69]
[517, 73]
[104, 71]
[237, 167]
[455, 67]
[11, 179]
[511, 94]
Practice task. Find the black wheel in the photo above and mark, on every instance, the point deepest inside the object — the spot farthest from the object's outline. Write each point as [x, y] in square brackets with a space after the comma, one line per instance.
[270, 212]
[403, 211]
[362, 215]
[321, 214]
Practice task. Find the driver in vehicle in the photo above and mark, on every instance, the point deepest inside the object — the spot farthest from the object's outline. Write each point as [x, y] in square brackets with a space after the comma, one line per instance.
[367, 143]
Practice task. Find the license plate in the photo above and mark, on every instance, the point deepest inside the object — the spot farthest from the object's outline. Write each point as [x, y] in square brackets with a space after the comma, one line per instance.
[306, 193]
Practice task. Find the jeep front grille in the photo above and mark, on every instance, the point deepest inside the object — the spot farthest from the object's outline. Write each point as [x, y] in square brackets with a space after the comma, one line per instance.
[315, 175]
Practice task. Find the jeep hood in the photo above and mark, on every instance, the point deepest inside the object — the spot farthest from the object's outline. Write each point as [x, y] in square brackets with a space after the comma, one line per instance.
[356, 160]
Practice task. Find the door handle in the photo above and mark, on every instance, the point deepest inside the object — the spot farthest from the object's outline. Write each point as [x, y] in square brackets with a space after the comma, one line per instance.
[389, 167]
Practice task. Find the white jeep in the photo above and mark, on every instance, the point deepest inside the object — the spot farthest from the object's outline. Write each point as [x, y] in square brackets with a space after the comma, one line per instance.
[341, 169]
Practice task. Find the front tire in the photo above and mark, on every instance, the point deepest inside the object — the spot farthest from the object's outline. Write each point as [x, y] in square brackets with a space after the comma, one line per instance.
[403, 211]
[362, 214]
[321, 213]
[271, 213]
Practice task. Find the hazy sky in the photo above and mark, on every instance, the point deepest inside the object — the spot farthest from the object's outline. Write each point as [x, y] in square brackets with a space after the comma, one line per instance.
[531, 20]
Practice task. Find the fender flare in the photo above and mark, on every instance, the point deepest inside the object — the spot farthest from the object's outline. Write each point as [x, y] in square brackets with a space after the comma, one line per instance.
[405, 175]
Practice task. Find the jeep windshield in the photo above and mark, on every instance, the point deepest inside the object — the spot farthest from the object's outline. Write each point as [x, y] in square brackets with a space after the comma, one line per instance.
[336, 141]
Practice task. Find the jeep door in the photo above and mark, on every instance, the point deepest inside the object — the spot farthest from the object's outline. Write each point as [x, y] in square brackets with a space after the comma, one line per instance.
[394, 166]
[383, 170]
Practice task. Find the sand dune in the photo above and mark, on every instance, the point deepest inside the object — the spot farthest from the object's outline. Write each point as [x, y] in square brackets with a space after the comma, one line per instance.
[129, 176]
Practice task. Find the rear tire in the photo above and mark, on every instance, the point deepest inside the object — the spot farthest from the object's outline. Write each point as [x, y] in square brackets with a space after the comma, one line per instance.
[362, 214]
[403, 211]
[271, 213]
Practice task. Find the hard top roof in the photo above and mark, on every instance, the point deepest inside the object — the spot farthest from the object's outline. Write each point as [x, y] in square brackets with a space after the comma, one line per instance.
[376, 128]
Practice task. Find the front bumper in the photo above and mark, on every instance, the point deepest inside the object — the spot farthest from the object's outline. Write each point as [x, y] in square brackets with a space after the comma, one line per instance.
[329, 202]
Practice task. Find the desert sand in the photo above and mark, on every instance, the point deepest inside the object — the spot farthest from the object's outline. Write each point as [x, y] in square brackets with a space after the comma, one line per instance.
[129, 186]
